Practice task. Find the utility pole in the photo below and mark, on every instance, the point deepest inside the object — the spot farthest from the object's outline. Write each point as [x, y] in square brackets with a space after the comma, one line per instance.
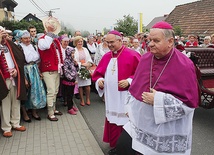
[50, 12]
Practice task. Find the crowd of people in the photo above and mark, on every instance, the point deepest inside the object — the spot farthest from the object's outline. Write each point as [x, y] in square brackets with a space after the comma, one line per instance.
[148, 106]
[195, 41]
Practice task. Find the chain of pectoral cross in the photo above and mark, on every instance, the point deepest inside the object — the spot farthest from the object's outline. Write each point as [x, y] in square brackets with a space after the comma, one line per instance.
[113, 68]
[114, 62]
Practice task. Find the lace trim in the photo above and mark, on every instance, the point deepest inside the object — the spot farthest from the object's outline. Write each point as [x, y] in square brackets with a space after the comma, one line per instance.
[173, 107]
[112, 113]
[163, 144]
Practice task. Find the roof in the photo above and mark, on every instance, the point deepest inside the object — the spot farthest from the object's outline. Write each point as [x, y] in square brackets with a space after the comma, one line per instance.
[30, 17]
[155, 20]
[10, 3]
[194, 18]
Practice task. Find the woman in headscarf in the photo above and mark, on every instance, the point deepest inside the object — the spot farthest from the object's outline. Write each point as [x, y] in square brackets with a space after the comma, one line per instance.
[36, 91]
[101, 50]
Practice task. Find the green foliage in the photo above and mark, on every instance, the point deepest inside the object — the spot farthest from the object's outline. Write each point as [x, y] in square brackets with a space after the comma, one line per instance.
[66, 29]
[106, 30]
[128, 25]
[22, 25]
[84, 73]
[69, 33]
[85, 34]
[61, 33]
[64, 32]
[177, 30]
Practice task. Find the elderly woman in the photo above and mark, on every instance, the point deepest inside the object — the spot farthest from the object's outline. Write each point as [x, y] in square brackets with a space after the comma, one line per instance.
[83, 59]
[64, 40]
[92, 46]
[206, 43]
[136, 47]
[64, 43]
[101, 50]
[35, 88]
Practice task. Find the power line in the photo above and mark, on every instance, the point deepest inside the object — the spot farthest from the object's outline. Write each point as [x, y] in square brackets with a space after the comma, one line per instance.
[24, 13]
[43, 4]
[38, 7]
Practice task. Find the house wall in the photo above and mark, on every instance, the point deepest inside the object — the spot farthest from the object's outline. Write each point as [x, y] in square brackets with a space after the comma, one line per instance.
[3, 15]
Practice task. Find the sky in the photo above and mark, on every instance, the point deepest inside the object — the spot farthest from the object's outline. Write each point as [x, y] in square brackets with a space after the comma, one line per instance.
[94, 15]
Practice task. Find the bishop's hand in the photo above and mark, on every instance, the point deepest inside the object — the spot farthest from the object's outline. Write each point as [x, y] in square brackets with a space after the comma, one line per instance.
[123, 83]
[148, 97]
[101, 84]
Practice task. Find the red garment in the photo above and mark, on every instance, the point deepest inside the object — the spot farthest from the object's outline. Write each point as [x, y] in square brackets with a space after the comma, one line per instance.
[67, 83]
[190, 44]
[49, 58]
[127, 63]
[111, 133]
[4, 66]
[145, 46]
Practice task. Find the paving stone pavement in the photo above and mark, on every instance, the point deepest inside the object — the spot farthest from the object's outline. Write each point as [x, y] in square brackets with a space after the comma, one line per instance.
[70, 135]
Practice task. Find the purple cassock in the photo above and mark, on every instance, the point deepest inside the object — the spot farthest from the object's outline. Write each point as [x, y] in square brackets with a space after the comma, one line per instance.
[165, 127]
[178, 78]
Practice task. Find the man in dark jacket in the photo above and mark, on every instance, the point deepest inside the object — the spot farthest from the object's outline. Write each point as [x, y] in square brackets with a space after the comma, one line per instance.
[11, 83]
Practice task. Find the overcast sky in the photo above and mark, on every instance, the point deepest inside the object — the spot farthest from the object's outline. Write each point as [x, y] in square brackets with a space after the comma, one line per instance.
[92, 15]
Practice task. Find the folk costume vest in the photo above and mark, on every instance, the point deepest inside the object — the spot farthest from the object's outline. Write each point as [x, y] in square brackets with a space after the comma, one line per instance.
[49, 57]
[3, 66]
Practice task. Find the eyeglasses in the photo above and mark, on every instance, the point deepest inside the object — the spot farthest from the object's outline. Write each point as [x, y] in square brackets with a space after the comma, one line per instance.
[111, 42]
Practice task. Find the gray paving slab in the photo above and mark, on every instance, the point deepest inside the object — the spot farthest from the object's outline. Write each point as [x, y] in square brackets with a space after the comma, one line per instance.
[68, 136]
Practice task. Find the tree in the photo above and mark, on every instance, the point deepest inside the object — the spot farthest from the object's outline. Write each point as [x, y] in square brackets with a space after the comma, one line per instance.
[105, 30]
[85, 33]
[128, 25]
[68, 29]
[22, 25]
[177, 30]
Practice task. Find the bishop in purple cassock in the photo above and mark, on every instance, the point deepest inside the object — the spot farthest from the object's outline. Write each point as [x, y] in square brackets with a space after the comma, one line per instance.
[162, 99]
[113, 77]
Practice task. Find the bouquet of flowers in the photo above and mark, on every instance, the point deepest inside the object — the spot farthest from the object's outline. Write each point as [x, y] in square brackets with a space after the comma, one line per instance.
[84, 73]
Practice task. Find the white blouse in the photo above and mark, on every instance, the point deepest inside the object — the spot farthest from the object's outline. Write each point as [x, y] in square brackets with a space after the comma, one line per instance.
[31, 55]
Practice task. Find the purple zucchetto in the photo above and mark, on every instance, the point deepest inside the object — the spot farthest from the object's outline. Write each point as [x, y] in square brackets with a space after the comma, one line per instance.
[162, 25]
[115, 33]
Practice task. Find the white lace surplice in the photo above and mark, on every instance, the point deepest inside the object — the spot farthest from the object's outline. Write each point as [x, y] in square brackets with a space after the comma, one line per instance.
[165, 128]
[114, 99]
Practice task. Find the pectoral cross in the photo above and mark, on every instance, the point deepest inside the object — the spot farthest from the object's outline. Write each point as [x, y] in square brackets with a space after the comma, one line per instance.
[113, 69]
